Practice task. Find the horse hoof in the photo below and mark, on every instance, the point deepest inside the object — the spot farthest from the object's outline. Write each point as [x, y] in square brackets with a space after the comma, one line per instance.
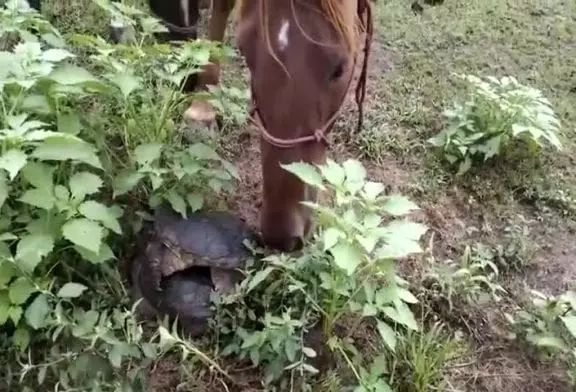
[200, 120]
[200, 112]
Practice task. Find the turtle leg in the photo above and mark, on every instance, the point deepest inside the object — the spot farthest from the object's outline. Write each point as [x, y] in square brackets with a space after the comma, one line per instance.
[223, 279]
[120, 31]
[144, 310]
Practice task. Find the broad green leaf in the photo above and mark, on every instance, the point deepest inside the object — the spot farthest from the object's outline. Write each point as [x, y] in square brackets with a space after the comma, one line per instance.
[71, 290]
[4, 189]
[368, 243]
[126, 181]
[355, 171]
[259, 277]
[40, 135]
[346, 257]
[41, 198]
[330, 237]
[305, 172]
[68, 74]
[31, 249]
[99, 212]
[157, 180]
[145, 154]
[550, 341]
[21, 338]
[4, 307]
[39, 175]
[41, 377]
[369, 310]
[85, 233]
[69, 123]
[397, 205]
[373, 189]
[333, 172]
[406, 316]
[20, 290]
[56, 55]
[62, 149]
[195, 201]
[407, 296]
[464, 166]
[83, 184]
[290, 348]
[126, 82]
[177, 202]
[166, 339]
[355, 175]
[115, 355]
[570, 323]
[387, 295]
[36, 103]
[202, 151]
[15, 313]
[401, 239]
[7, 272]
[36, 314]
[7, 237]
[388, 335]
[13, 161]
[403, 315]
[104, 255]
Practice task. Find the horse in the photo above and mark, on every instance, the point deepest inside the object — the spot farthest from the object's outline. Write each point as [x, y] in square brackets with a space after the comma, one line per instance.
[301, 56]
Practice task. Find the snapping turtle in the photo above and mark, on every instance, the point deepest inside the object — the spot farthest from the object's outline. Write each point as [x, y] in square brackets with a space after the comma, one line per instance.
[184, 261]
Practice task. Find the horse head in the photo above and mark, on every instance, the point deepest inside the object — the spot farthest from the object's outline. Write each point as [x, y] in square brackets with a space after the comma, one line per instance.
[301, 55]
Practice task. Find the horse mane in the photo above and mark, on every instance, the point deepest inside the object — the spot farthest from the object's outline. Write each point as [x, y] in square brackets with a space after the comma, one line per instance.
[335, 12]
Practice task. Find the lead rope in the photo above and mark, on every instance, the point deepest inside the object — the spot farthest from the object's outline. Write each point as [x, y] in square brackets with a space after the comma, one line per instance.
[361, 87]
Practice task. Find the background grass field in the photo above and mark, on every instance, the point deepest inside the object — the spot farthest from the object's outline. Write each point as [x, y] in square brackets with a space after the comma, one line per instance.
[519, 212]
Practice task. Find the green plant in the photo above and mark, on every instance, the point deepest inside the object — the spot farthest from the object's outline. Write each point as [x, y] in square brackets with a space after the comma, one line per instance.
[79, 158]
[549, 325]
[345, 276]
[471, 279]
[422, 358]
[498, 112]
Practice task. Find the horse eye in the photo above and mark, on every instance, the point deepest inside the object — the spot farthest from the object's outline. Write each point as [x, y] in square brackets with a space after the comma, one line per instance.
[337, 72]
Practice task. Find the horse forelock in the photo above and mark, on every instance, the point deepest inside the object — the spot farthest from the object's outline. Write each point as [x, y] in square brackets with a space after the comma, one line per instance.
[336, 12]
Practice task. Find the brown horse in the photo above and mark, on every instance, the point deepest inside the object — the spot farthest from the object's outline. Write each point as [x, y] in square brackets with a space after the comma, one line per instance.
[302, 55]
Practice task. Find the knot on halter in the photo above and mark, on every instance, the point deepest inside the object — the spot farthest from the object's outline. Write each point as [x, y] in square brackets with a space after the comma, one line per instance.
[319, 135]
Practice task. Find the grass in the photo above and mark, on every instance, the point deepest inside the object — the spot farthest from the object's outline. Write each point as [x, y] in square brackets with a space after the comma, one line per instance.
[413, 58]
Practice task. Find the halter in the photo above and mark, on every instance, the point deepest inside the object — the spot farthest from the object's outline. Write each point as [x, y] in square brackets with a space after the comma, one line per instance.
[320, 134]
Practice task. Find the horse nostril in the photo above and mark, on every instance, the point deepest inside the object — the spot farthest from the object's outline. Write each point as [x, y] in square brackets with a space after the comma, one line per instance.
[297, 243]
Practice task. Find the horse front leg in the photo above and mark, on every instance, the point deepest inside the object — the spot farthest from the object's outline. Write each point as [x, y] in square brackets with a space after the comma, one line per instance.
[201, 111]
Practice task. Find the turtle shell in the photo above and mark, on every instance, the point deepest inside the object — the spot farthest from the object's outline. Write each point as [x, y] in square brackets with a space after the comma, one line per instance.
[185, 295]
[184, 261]
[204, 239]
